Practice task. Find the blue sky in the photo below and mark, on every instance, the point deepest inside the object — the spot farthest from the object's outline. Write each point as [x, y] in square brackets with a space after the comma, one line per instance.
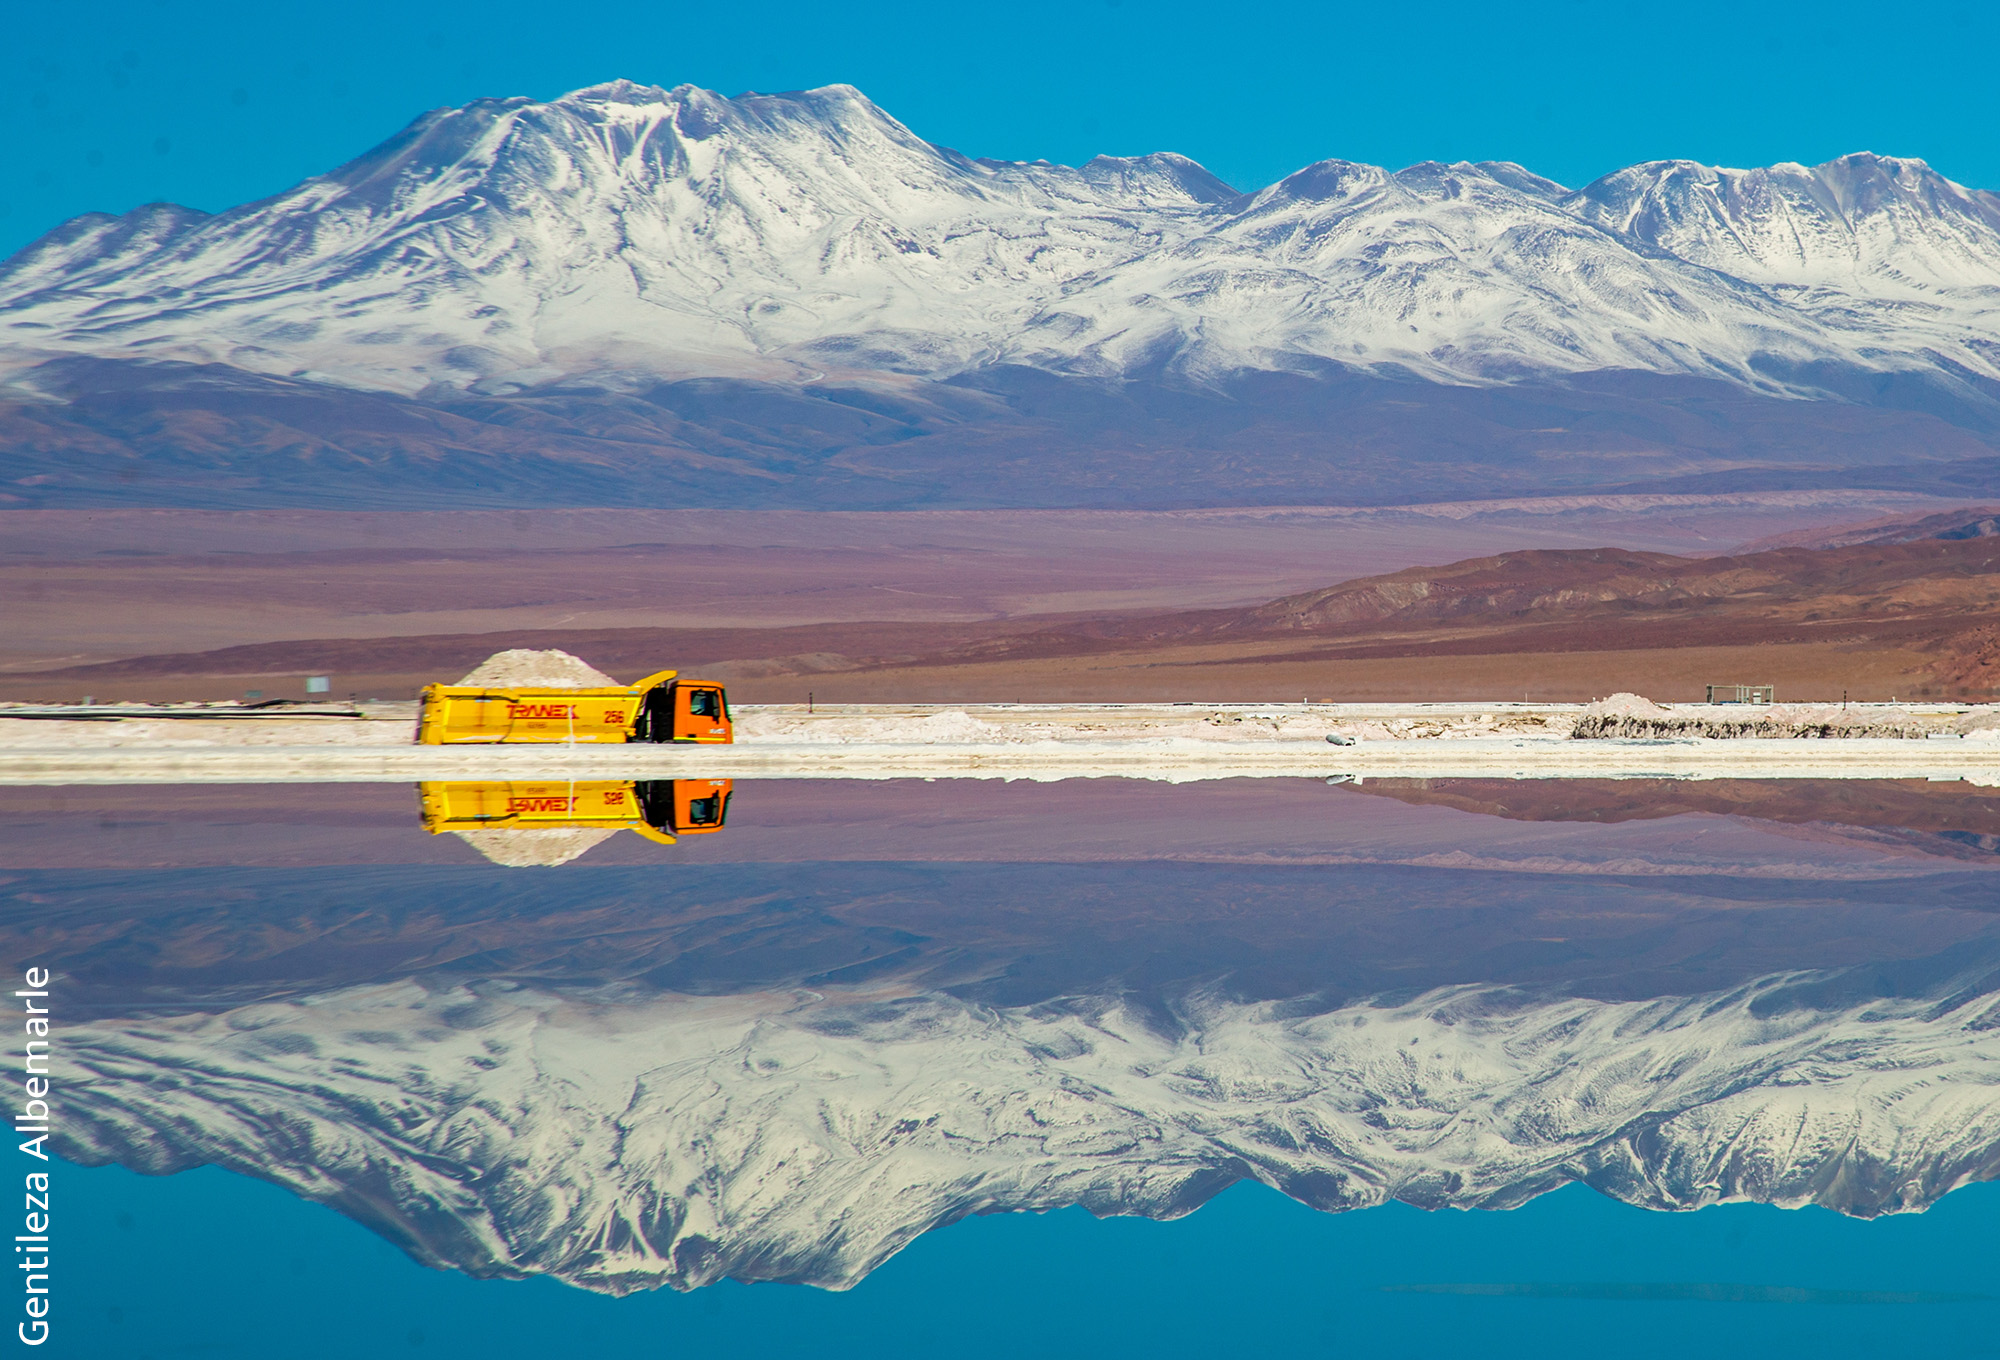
[1251, 1273]
[108, 106]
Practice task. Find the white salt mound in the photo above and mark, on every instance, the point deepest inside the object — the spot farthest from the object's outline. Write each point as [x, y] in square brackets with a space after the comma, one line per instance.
[524, 667]
[536, 846]
[1984, 719]
[1625, 706]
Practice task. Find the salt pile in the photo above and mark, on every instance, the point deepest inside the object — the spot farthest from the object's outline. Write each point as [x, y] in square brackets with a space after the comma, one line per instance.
[533, 847]
[525, 668]
[1625, 705]
[1982, 722]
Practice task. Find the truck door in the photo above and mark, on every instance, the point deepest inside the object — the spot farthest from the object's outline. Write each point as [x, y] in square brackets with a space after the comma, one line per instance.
[701, 804]
[701, 713]
[686, 806]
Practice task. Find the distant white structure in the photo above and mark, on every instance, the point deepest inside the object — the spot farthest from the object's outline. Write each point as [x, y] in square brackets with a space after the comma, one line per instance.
[1742, 694]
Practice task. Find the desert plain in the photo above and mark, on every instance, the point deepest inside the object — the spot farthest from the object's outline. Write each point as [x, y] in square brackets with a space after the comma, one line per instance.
[1874, 596]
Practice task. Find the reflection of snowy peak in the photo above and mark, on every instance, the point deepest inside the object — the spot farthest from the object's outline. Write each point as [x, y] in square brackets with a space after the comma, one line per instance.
[664, 1139]
[626, 229]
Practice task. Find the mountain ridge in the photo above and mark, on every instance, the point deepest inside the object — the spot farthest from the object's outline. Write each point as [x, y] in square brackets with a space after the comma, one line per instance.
[552, 267]
[630, 1142]
[728, 213]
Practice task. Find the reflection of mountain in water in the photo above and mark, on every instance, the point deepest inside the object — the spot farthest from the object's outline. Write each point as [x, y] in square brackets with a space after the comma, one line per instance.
[1005, 935]
[624, 1139]
[1948, 820]
[941, 1001]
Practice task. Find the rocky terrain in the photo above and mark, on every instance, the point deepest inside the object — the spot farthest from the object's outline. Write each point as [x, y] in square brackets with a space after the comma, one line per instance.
[1938, 595]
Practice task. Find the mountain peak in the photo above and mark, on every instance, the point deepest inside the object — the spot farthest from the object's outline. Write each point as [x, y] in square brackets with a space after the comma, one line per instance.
[1165, 166]
[622, 91]
[1521, 179]
[94, 238]
[629, 228]
[1882, 225]
[1326, 182]
[1909, 165]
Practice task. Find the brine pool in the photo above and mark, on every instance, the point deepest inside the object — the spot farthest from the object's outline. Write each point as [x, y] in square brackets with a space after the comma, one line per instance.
[1097, 1066]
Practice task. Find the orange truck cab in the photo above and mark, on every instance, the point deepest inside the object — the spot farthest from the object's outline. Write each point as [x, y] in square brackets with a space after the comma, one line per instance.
[662, 707]
[658, 809]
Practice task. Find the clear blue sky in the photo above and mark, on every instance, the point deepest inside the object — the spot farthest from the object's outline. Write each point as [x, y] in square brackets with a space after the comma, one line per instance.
[210, 1263]
[114, 104]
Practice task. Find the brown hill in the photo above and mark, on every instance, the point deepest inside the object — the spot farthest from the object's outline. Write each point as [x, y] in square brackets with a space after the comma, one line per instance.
[1978, 522]
[1940, 597]
[1907, 619]
[1953, 820]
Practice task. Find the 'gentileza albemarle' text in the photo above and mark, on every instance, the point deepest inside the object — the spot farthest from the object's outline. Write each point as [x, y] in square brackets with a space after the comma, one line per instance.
[32, 1122]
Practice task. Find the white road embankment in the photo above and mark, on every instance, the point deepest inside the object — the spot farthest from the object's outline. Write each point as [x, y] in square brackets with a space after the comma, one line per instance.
[1009, 741]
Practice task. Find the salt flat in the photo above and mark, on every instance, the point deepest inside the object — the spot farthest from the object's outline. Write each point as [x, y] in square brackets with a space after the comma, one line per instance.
[1008, 741]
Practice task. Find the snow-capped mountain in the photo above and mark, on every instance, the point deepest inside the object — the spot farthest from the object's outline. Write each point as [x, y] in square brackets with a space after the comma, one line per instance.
[1884, 252]
[626, 230]
[633, 1140]
[621, 228]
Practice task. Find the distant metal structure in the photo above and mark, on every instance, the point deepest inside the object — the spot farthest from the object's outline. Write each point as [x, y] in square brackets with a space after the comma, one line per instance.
[1742, 694]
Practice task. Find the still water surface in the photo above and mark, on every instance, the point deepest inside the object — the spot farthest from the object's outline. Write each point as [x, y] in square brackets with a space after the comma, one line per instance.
[1080, 1067]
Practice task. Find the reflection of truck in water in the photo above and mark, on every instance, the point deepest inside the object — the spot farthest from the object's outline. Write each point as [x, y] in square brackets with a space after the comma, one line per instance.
[658, 809]
[661, 707]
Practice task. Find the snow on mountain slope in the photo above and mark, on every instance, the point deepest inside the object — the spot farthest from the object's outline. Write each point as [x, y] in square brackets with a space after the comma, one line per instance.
[1452, 272]
[1885, 250]
[626, 230]
[619, 228]
[623, 1142]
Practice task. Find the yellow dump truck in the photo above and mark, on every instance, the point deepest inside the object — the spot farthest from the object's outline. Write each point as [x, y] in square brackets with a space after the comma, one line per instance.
[662, 707]
[658, 809]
